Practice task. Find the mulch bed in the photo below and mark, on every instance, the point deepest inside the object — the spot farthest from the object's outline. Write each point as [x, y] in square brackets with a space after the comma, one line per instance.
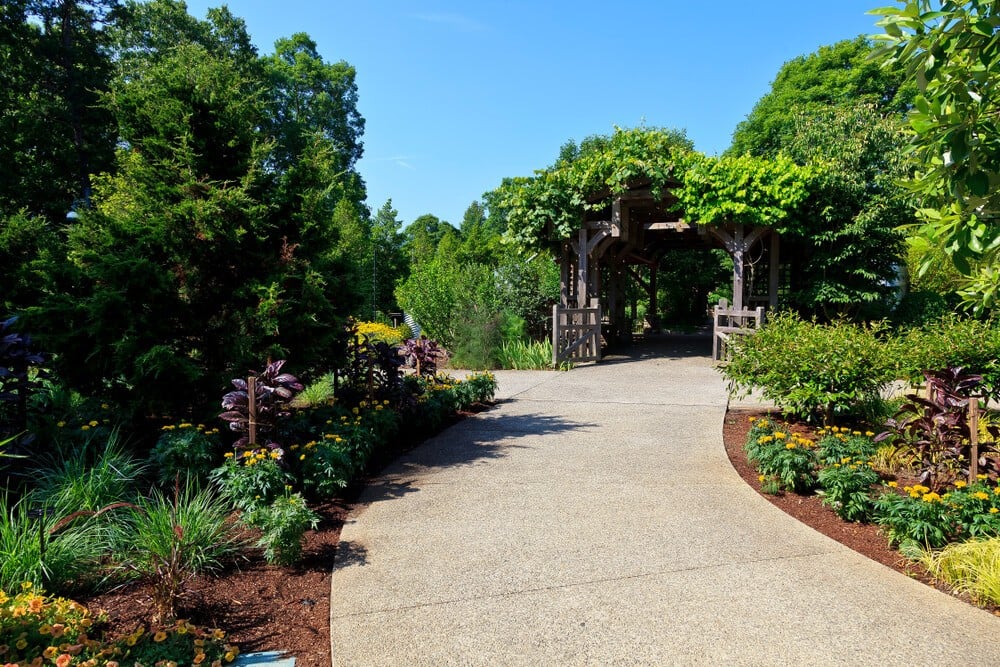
[266, 608]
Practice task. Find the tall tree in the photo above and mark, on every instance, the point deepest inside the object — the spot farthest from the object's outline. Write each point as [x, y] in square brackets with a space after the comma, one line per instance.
[213, 245]
[53, 132]
[842, 73]
[838, 109]
[389, 265]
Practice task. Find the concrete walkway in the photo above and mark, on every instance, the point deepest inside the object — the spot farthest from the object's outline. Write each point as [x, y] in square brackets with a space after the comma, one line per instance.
[593, 518]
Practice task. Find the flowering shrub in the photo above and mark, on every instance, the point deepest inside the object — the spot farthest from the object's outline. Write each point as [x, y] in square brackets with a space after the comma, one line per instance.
[934, 519]
[920, 516]
[377, 332]
[35, 627]
[181, 643]
[785, 461]
[251, 478]
[834, 444]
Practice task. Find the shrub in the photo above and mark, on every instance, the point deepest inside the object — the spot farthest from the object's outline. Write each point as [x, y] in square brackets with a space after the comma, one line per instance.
[273, 390]
[185, 450]
[167, 541]
[952, 342]
[808, 368]
[968, 567]
[283, 523]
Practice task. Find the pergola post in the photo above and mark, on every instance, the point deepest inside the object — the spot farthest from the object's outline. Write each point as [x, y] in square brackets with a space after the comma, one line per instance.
[737, 250]
[582, 275]
[772, 287]
[651, 312]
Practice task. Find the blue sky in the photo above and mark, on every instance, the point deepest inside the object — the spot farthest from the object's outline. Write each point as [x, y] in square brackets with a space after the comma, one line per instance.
[458, 95]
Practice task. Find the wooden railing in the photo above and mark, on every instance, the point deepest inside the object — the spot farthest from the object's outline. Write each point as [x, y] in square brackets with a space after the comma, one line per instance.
[729, 322]
[576, 333]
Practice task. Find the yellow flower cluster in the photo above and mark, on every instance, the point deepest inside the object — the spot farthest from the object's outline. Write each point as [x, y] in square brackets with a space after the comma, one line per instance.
[252, 457]
[377, 332]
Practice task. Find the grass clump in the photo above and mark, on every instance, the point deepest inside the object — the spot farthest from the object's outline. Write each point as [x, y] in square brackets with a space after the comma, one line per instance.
[968, 567]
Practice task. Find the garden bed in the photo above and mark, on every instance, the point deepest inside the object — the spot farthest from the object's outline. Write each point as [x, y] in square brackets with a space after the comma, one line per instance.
[266, 607]
[866, 539]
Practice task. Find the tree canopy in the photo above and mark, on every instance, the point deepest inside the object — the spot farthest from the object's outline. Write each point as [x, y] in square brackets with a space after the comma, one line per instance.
[214, 238]
[951, 52]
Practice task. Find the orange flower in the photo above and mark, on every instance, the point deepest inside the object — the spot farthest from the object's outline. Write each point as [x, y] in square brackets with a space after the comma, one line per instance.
[63, 660]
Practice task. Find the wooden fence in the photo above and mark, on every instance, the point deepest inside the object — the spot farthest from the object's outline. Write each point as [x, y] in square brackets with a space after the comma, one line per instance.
[576, 333]
[729, 322]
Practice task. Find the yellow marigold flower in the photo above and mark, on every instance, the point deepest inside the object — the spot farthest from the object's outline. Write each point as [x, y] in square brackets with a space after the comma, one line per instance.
[981, 477]
[979, 495]
[228, 455]
[996, 491]
[378, 407]
[60, 424]
[931, 497]
[779, 435]
[184, 425]
[302, 457]
[85, 427]
[893, 485]
[293, 447]
[218, 634]
[159, 636]
[354, 410]
[791, 445]
[960, 484]
[94, 422]
[275, 455]
[870, 434]
[994, 510]
[752, 419]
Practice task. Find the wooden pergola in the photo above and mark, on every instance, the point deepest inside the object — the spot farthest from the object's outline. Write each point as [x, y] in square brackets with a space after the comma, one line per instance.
[636, 229]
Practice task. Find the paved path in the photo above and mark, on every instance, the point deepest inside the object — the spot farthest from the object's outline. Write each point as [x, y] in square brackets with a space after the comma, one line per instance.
[593, 518]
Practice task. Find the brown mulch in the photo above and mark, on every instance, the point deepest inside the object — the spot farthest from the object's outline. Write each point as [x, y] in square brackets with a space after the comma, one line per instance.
[265, 608]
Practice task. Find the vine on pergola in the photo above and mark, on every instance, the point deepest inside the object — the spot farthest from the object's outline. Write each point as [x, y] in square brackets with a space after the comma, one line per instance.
[544, 210]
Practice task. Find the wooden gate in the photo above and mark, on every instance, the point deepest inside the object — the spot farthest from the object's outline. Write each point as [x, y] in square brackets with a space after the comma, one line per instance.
[576, 333]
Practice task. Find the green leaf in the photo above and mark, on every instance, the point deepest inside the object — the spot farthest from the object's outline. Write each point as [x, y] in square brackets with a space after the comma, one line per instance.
[978, 184]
